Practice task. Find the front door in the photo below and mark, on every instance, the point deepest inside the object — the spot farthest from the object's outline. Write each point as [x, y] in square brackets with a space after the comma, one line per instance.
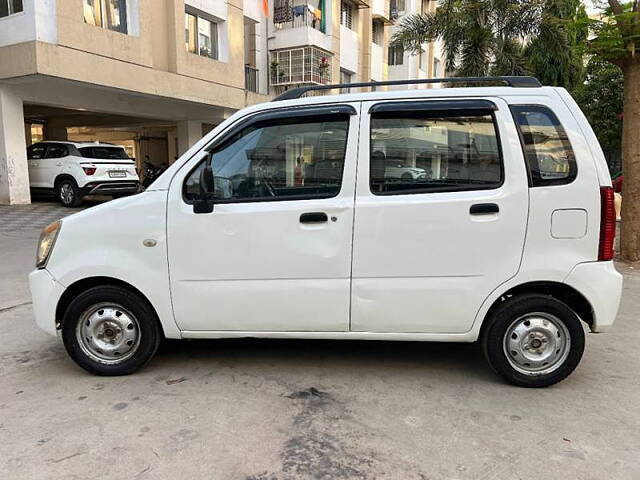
[433, 239]
[275, 253]
[35, 157]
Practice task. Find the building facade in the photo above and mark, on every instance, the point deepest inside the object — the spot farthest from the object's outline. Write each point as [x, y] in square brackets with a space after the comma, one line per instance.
[155, 75]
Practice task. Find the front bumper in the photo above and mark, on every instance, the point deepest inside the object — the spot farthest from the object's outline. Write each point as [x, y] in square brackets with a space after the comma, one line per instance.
[601, 284]
[45, 294]
[111, 187]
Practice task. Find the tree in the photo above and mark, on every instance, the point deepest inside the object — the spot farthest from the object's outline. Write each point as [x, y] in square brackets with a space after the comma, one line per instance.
[600, 98]
[617, 40]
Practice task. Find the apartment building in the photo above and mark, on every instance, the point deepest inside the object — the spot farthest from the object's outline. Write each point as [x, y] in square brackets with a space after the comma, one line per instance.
[155, 75]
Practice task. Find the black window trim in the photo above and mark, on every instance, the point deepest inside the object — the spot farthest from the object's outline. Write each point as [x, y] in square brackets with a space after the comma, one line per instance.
[573, 163]
[265, 117]
[473, 108]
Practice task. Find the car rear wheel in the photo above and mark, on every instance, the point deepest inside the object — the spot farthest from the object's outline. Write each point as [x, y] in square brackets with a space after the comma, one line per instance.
[68, 193]
[109, 330]
[533, 340]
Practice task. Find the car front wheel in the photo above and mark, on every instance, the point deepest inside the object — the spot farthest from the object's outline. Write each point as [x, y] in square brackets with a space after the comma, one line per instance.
[109, 330]
[533, 340]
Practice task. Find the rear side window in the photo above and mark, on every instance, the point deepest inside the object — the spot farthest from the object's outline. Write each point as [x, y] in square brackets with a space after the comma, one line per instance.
[57, 151]
[422, 152]
[547, 150]
[36, 152]
[104, 153]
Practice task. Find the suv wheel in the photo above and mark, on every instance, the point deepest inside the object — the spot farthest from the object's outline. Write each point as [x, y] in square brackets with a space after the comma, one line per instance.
[533, 340]
[68, 193]
[109, 330]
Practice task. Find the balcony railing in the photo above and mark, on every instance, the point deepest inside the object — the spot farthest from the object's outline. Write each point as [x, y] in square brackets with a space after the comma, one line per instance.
[300, 65]
[251, 78]
[290, 14]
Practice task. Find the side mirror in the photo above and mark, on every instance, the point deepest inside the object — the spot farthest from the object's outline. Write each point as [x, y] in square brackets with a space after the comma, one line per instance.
[204, 202]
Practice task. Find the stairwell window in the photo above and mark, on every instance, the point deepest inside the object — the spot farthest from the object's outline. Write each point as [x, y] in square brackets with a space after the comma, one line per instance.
[347, 13]
[109, 14]
[9, 7]
[201, 36]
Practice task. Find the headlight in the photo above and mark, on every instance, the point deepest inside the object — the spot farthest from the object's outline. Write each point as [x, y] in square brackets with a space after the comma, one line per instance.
[47, 240]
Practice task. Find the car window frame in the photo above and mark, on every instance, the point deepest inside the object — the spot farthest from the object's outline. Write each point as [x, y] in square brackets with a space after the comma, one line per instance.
[275, 117]
[573, 164]
[59, 145]
[44, 152]
[457, 107]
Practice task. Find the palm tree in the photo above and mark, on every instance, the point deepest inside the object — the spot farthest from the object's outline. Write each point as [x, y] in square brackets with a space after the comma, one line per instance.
[497, 37]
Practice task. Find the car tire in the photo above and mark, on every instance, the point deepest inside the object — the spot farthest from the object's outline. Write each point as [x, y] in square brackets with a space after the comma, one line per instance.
[533, 340]
[109, 330]
[68, 193]
[406, 177]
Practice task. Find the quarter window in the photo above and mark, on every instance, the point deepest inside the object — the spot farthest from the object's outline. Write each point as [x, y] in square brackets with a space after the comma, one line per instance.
[547, 150]
[283, 160]
[434, 151]
[9, 7]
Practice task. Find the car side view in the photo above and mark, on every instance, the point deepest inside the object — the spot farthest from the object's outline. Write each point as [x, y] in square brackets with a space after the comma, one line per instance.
[72, 170]
[283, 222]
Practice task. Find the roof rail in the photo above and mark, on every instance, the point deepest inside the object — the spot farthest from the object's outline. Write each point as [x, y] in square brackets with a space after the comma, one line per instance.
[516, 82]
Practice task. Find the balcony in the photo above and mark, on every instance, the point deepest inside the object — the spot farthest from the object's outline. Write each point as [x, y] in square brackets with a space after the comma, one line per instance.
[304, 65]
[251, 78]
[296, 14]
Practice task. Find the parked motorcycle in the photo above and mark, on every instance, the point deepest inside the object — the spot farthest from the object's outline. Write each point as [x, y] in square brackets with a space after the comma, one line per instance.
[149, 174]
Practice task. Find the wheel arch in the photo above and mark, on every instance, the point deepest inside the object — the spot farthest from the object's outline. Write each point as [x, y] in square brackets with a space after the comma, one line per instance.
[64, 176]
[76, 288]
[567, 294]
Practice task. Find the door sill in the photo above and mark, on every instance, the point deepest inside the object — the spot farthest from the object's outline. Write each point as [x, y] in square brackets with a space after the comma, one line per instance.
[405, 337]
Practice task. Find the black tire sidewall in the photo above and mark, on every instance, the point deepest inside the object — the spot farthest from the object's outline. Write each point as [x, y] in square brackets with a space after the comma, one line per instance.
[503, 317]
[77, 198]
[147, 321]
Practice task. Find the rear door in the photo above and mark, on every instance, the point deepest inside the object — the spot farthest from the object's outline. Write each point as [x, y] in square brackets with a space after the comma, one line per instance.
[429, 249]
[275, 253]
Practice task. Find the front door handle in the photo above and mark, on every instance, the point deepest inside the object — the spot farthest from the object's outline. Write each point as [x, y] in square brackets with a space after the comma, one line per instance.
[314, 217]
[484, 209]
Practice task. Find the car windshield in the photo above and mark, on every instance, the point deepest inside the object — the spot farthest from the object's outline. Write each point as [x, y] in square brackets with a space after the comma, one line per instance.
[115, 153]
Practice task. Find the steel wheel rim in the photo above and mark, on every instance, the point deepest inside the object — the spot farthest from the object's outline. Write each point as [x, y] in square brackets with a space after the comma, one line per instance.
[66, 193]
[108, 333]
[537, 343]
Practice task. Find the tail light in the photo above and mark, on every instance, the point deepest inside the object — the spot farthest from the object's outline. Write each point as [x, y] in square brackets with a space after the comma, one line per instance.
[89, 170]
[607, 224]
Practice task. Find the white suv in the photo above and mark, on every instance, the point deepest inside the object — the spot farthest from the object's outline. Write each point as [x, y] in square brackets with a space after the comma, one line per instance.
[262, 230]
[73, 170]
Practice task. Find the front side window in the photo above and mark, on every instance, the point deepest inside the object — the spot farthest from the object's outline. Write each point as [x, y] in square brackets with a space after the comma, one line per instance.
[279, 160]
[201, 36]
[57, 151]
[9, 7]
[423, 152]
[110, 14]
[547, 149]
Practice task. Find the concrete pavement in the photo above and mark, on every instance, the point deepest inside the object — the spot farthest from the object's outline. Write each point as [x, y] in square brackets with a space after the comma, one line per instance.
[266, 410]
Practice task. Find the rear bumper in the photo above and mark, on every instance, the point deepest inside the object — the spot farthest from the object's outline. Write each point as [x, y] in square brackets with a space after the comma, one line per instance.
[110, 187]
[45, 294]
[601, 284]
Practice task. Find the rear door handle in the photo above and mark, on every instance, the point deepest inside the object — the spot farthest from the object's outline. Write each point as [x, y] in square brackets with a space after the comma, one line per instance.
[314, 217]
[484, 209]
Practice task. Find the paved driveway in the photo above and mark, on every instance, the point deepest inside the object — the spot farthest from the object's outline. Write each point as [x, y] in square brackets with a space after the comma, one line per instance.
[266, 410]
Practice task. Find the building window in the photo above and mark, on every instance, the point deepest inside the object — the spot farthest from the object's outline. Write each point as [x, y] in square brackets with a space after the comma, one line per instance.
[398, 6]
[345, 77]
[300, 65]
[110, 14]
[423, 60]
[9, 7]
[436, 68]
[201, 36]
[347, 12]
[396, 55]
[377, 34]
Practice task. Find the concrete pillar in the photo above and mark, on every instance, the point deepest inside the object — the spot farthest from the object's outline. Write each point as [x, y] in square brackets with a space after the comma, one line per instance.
[189, 132]
[55, 133]
[14, 170]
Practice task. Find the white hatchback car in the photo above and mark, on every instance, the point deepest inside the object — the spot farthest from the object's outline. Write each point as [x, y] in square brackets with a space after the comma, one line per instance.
[237, 239]
[72, 170]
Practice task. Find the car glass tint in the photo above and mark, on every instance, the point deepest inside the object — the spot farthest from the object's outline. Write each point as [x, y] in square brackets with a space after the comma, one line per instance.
[104, 153]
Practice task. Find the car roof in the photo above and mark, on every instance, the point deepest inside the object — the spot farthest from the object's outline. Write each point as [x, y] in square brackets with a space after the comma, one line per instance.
[82, 144]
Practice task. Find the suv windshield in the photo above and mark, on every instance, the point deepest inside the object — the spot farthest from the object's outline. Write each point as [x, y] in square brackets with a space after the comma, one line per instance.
[116, 153]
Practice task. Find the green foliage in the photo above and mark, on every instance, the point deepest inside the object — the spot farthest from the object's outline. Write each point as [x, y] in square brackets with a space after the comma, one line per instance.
[601, 99]
[616, 36]
[504, 37]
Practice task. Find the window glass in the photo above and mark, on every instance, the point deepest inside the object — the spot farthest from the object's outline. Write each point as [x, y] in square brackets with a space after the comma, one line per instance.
[547, 149]
[423, 153]
[116, 15]
[36, 152]
[396, 55]
[377, 32]
[190, 32]
[9, 7]
[105, 153]
[346, 14]
[423, 60]
[279, 161]
[57, 151]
